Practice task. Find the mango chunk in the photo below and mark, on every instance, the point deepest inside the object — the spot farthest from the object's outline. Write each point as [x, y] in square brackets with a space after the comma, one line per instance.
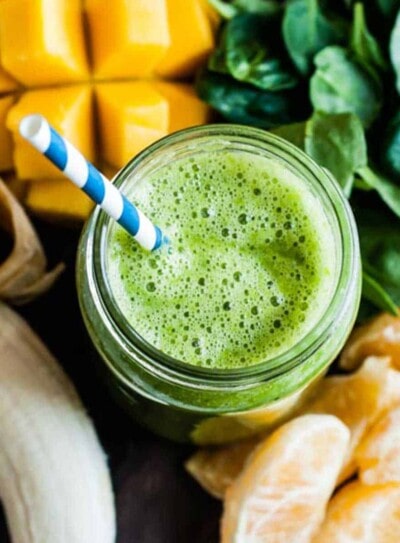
[6, 144]
[58, 199]
[42, 41]
[128, 38]
[69, 110]
[191, 38]
[185, 108]
[131, 116]
[212, 14]
[7, 83]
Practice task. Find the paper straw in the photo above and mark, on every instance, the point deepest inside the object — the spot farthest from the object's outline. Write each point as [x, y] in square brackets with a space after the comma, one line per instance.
[37, 131]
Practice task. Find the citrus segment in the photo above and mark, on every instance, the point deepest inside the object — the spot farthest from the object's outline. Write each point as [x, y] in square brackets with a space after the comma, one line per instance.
[357, 400]
[380, 337]
[362, 514]
[216, 469]
[378, 456]
[281, 494]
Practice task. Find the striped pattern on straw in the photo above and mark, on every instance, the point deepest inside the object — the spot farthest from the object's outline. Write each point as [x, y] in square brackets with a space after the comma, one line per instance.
[37, 131]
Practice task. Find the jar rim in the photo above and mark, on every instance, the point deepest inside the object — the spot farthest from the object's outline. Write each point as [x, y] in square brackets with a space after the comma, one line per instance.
[168, 367]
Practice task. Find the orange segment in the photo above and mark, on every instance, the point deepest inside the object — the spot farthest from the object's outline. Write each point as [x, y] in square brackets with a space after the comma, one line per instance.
[128, 38]
[380, 337]
[281, 495]
[131, 116]
[42, 41]
[216, 469]
[378, 456]
[191, 38]
[357, 400]
[362, 514]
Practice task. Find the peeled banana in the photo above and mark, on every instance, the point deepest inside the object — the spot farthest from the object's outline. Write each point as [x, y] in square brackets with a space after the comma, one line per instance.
[54, 481]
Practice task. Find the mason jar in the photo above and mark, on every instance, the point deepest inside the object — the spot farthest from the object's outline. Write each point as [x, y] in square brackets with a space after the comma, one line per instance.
[189, 403]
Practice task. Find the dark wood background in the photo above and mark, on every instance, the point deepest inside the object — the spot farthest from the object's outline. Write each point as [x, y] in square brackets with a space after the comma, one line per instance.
[157, 502]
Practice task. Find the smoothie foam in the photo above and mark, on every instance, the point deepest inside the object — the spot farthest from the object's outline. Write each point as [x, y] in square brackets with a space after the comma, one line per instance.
[250, 270]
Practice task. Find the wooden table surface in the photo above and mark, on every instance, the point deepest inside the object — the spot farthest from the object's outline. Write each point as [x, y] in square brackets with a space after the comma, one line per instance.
[157, 502]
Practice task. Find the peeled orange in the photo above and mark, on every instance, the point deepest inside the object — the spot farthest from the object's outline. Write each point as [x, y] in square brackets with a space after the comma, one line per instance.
[380, 337]
[215, 469]
[357, 400]
[378, 456]
[282, 492]
[362, 514]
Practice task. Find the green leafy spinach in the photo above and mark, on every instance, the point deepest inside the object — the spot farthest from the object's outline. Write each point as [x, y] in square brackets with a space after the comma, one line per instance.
[307, 30]
[245, 104]
[394, 46]
[341, 84]
[252, 51]
[230, 9]
[337, 142]
[363, 44]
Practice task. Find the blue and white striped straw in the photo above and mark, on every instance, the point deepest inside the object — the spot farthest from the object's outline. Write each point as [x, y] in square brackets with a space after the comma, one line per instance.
[37, 131]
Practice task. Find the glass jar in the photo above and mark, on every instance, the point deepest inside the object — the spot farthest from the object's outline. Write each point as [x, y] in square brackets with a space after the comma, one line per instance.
[189, 403]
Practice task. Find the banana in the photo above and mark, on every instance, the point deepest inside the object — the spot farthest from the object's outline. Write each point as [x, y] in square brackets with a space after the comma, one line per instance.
[54, 481]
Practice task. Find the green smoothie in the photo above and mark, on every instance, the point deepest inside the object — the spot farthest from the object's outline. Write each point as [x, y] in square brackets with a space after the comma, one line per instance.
[250, 268]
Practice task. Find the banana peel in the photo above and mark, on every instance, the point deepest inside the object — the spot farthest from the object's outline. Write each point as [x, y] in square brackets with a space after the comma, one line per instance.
[23, 274]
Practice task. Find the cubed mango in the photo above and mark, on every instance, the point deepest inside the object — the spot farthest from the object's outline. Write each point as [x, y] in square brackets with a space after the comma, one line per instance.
[6, 143]
[185, 108]
[131, 116]
[128, 39]
[212, 14]
[7, 83]
[69, 110]
[191, 38]
[42, 41]
[58, 199]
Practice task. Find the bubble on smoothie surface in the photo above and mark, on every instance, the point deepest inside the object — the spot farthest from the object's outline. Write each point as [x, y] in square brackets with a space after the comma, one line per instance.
[250, 269]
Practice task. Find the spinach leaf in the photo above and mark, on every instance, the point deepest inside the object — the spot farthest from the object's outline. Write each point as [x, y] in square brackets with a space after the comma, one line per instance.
[387, 190]
[363, 44]
[340, 84]
[376, 8]
[390, 149]
[388, 7]
[379, 233]
[376, 294]
[294, 133]
[394, 47]
[252, 51]
[337, 142]
[245, 104]
[228, 9]
[307, 30]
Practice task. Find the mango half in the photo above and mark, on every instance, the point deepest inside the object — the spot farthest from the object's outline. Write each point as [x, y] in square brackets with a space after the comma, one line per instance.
[101, 72]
